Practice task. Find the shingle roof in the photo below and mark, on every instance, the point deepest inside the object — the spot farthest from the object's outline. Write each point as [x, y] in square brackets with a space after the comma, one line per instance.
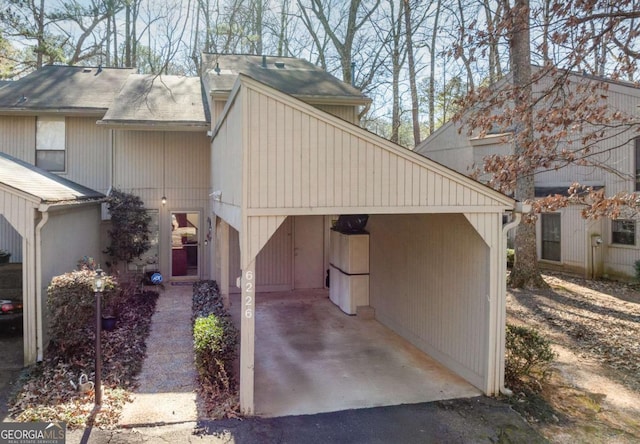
[60, 88]
[41, 184]
[292, 76]
[146, 99]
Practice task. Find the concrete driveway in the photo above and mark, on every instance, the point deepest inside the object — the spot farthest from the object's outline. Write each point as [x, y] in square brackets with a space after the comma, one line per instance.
[310, 357]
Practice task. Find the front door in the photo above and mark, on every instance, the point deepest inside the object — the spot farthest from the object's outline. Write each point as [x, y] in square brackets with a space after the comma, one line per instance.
[185, 244]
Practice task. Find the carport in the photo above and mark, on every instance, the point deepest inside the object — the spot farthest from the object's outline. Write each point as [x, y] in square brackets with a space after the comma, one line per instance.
[437, 270]
[59, 223]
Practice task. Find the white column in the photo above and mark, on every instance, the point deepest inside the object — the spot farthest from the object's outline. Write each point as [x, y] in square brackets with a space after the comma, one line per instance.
[247, 338]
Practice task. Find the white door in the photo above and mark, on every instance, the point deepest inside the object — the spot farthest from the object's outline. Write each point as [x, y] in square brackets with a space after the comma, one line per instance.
[308, 252]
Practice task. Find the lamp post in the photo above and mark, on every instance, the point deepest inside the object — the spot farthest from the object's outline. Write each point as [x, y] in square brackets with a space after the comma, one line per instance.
[98, 288]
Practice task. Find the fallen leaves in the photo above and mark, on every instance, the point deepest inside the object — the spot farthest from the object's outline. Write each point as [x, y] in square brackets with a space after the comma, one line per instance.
[48, 395]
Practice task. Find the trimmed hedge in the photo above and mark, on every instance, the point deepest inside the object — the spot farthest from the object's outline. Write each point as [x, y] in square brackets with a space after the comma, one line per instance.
[215, 338]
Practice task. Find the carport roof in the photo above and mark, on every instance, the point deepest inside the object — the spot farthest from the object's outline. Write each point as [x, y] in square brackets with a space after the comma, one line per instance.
[42, 186]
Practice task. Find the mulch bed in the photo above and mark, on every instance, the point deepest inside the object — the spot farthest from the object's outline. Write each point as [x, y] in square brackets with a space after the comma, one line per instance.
[48, 393]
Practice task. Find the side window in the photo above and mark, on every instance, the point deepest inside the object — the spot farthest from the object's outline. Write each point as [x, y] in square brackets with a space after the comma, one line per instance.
[623, 232]
[51, 143]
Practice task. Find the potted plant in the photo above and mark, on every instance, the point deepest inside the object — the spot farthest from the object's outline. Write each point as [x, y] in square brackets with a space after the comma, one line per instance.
[4, 256]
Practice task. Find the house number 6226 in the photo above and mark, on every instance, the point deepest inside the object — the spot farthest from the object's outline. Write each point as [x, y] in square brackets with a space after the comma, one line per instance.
[248, 298]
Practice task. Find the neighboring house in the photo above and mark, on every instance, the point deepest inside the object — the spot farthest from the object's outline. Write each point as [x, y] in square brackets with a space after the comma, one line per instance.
[566, 241]
[104, 128]
[246, 170]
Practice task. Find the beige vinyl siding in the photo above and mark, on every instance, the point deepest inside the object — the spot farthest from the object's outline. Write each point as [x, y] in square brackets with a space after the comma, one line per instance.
[19, 212]
[153, 164]
[88, 153]
[320, 163]
[67, 236]
[348, 113]
[227, 164]
[10, 240]
[18, 137]
[424, 273]
[449, 147]
[274, 263]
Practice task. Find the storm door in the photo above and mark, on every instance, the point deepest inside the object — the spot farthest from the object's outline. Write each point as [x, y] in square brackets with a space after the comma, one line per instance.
[185, 244]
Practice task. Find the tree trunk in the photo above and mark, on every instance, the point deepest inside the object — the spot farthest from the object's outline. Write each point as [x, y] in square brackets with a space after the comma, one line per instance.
[415, 104]
[432, 75]
[525, 272]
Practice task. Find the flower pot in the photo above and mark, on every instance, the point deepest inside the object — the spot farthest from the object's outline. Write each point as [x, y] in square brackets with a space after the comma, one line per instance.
[108, 323]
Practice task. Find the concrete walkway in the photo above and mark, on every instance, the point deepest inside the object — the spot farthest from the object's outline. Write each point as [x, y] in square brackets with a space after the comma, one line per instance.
[166, 394]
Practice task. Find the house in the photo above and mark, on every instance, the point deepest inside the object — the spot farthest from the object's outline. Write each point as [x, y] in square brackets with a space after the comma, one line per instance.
[246, 170]
[103, 128]
[565, 240]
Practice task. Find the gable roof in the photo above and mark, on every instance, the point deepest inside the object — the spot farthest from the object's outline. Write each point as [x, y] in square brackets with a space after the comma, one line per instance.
[42, 186]
[159, 100]
[289, 75]
[56, 88]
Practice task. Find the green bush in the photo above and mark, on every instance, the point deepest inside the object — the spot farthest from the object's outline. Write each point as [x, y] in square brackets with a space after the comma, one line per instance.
[215, 340]
[129, 233]
[71, 304]
[528, 356]
[637, 267]
[511, 257]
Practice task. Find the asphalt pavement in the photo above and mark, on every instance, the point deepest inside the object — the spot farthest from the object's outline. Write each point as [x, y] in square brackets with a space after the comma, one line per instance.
[472, 420]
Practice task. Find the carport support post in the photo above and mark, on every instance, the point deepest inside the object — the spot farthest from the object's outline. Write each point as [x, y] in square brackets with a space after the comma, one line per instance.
[247, 338]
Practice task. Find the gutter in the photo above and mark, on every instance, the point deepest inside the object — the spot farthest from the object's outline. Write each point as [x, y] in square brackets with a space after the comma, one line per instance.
[38, 247]
[518, 210]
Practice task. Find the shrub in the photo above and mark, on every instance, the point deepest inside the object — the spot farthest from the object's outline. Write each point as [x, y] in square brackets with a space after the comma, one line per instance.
[528, 356]
[637, 267]
[511, 257]
[207, 300]
[129, 231]
[215, 340]
[71, 304]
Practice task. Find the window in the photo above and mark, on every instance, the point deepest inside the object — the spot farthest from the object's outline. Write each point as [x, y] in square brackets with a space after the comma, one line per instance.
[51, 143]
[637, 162]
[623, 232]
[551, 237]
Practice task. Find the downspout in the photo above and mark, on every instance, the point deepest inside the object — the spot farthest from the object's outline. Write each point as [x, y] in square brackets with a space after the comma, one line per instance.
[38, 247]
[518, 210]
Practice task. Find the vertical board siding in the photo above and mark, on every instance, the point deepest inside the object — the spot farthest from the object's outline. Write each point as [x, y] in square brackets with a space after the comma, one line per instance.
[153, 163]
[10, 240]
[226, 159]
[428, 282]
[274, 266]
[88, 152]
[348, 113]
[315, 162]
[18, 137]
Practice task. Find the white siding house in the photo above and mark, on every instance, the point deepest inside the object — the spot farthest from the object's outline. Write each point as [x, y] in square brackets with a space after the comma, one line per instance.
[566, 241]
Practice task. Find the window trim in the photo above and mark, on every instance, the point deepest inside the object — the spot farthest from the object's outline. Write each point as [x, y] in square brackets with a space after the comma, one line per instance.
[62, 122]
[635, 233]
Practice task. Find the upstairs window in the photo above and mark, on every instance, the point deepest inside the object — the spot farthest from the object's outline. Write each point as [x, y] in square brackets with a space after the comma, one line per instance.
[623, 232]
[51, 143]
